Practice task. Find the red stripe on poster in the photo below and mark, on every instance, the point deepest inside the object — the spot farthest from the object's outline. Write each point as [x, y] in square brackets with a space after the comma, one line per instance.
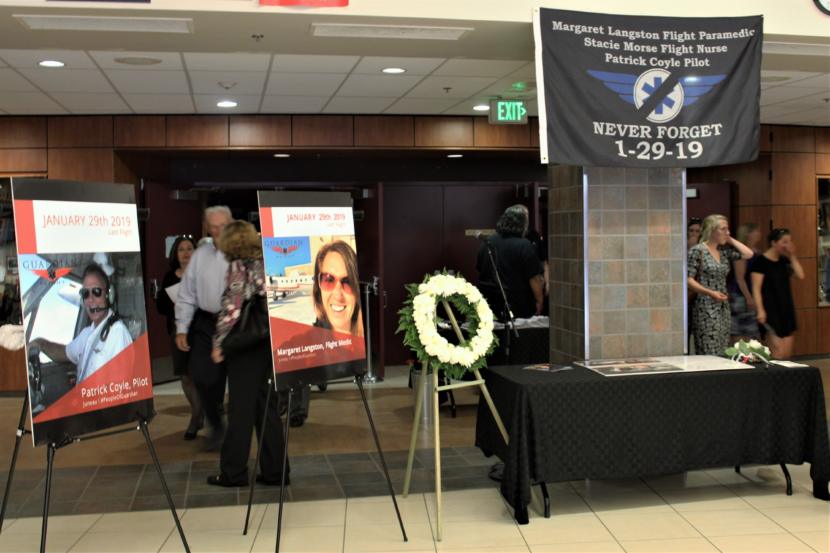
[266, 222]
[24, 226]
[309, 3]
[124, 379]
[298, 346]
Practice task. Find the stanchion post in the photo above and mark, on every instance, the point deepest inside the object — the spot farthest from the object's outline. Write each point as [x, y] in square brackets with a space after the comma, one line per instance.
[437, 434]
[419, 403]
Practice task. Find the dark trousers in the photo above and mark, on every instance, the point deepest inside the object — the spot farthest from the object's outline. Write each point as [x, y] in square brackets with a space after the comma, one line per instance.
[207, 375]
[248, 373]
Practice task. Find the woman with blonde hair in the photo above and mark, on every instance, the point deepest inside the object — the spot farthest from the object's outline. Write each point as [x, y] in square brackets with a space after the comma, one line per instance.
[741, 303]
[248, 368]
[708, 266]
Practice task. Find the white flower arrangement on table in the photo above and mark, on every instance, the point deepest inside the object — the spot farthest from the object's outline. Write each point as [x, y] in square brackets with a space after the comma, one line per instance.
[749, 352]
[418, 322]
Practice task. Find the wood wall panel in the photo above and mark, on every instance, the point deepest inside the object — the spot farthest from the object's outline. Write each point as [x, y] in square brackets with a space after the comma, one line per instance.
[793, 139]
[823, 342]
[754, 186]
[83, 164]
[822, 164]
[822, 140]
[806, 337]
[13, 375]
[197, 131]
[23, 160]
[486, 135]
[384, 130]
[22, 132]
[82, 131]
[322, 130]
[760, 215]
[805, 292]
[260, 130]
[801, 220]
[444, 132]
[793, 179]
[140, 131]
[765, 141]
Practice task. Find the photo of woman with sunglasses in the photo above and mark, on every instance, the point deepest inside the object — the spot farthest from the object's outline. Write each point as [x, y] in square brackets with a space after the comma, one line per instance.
[104, 338]
[336, 289]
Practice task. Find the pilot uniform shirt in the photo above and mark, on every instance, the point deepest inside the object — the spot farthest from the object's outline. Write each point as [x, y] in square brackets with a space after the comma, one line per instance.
[89, 353]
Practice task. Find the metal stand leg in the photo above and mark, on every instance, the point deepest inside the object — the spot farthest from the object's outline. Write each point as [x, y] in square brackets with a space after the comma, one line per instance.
[50, 458]
[286, 428]
[21, 431]
[787, 477]
[359, 382]
[258, 455]
[419, 403]
[437, 439]
[545, 498]
[146, 433]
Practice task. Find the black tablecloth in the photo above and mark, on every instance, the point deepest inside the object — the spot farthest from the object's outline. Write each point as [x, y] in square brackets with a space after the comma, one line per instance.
[576, 424]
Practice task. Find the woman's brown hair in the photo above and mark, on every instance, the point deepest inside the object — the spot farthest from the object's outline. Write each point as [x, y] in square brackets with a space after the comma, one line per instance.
[240, 240]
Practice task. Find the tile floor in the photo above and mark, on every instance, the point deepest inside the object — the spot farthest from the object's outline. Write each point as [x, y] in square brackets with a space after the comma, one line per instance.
[714, 510]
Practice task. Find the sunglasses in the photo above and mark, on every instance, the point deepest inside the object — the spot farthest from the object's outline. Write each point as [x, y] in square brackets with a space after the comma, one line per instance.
[85, 292]
[328, 282]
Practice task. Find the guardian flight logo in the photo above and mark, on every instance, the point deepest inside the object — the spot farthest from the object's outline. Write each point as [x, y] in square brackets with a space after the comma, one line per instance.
[667, 102]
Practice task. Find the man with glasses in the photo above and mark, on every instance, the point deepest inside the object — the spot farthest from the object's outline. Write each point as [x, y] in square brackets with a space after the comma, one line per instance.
[198, 302]
[99, 342]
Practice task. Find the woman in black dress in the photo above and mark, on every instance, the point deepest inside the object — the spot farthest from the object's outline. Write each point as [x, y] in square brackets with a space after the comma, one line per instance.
[179, 257]
[771, 275]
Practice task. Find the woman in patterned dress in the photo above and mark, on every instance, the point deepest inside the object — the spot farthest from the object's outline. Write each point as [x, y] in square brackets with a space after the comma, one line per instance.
[709, 263]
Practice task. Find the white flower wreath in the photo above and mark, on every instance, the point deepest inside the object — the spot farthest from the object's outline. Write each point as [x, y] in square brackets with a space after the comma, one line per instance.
[421, 313]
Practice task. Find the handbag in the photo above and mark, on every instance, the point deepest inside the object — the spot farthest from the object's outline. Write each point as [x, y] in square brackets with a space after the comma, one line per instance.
[252, 327]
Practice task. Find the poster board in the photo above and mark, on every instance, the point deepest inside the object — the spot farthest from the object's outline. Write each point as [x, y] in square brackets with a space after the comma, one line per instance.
[82, 296]
[313, 286]
[661, 365]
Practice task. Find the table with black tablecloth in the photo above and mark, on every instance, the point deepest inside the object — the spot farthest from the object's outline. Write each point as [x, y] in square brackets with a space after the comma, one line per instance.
[576, 424]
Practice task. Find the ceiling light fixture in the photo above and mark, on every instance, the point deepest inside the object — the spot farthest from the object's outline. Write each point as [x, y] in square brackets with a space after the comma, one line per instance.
[359, 30]
[282, 155]
[51, 63]
[226, 104]
[393, 70]
[455, 156]
[481, 107]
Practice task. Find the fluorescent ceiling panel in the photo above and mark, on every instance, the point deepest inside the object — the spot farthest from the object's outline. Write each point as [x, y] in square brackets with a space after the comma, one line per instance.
[149, 82]
[390, 86]
[242, 61]
[405, 32]
[113, 24]
[302, 63]
[299, 84]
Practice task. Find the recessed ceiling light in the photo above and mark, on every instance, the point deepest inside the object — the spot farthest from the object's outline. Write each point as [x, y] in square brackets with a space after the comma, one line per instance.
[453, 156]
[51, 63]
[226, 104]
[481, 107]
[393, 70]
[137, 60]
[282, 155]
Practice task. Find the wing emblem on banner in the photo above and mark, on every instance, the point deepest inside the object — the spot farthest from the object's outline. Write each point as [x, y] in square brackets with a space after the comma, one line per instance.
[52, 273]
[285, 251]
[637, 89]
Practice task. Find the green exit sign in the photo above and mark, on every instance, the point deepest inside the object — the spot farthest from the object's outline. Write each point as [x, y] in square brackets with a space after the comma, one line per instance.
[508, 112]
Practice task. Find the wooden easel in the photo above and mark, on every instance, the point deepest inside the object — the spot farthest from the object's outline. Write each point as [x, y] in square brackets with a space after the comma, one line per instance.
[421, 383]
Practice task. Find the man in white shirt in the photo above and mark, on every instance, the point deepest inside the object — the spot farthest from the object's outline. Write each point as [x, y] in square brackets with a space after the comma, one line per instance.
[99, 342]
[198, 302]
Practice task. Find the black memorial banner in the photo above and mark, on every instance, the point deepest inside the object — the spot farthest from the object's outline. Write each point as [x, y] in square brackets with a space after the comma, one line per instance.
[636, 91]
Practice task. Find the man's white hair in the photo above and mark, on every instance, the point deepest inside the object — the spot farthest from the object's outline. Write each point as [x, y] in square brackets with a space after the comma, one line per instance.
[219, 209]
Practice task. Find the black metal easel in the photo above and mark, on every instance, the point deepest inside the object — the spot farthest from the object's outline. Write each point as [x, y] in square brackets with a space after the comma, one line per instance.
[21, 431]
[52, 448]
[359, 381]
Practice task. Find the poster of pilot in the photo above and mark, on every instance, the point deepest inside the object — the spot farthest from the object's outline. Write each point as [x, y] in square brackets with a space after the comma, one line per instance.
[82, 298]
[313, 287]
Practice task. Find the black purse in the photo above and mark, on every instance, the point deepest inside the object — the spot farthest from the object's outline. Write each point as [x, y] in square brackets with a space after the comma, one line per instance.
[252, 327]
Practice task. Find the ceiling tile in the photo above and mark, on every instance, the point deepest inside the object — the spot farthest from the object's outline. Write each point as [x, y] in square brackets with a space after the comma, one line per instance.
[819, 117]
[340, 104]
[417, 106]
[149, 82]
[295, 84]
[74, 59]
[106, 60]
[160, 103]
[11, 81]
[372, 65]
[504, 87]
[819, 81]
[479, 68]
[788, 93]
[770, 78]
[83, 102]
[67, 80]
[466, 108]
[247, 82]
[390, 86]
[241, 61]
[293, 104]
[526, 72]
[459, 87]
[23, 103]
[301, 63]
[206, 103]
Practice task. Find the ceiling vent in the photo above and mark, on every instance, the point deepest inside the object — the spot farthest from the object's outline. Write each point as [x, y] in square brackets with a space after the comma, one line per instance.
[409, 32]
[105, 23]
